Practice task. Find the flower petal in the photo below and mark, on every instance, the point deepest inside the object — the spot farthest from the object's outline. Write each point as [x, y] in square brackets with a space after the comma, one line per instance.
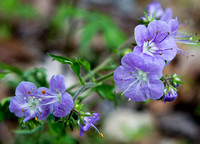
[158, 30]
[63, 108]
[25, 88]
[57, 83]
[168, 15]
[122, 77]
[174, 24]
[141, 34]
[17, 105]
[132, 61]
[170, 49]
[136, 93]
[156, 88]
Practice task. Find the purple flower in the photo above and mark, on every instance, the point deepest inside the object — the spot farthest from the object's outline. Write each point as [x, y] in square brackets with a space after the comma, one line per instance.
[154, 9]
[170, 94]
[89, 122]
[138, 78]
[27, 103]
[155, 43]
[59, 101]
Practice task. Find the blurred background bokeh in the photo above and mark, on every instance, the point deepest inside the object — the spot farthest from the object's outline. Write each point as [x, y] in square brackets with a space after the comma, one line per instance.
[93, 29]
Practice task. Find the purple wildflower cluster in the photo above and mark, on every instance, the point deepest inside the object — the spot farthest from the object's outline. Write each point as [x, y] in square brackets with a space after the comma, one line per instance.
[32, 102]
[139, 76]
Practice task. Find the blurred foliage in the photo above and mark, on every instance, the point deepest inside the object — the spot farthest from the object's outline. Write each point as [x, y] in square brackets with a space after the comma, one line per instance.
[67, 18]
[4, 110]
[106, 91]
[48, 133]
[5, 31]
[35, 75]
[15, 8]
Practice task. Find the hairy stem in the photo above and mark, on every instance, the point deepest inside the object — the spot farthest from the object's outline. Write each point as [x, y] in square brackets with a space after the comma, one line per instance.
[88, 85]
[165, 79]
[105, 77]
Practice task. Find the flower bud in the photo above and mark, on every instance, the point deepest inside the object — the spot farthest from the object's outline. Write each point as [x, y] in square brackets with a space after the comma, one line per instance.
[170, 94]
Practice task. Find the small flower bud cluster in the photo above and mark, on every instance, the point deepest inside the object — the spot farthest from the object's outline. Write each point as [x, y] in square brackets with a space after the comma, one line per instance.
[171, 84]
[32, 102]
[139, 76]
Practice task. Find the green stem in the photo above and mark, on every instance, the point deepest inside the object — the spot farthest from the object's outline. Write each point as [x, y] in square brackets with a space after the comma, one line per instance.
[104, 63]
[86, 95]
[167, 82]
[105, 77]
[88, 85]
[91, 85]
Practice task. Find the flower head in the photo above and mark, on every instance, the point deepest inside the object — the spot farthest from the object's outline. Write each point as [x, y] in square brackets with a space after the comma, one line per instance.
[154, 9]
[89, 122]
[138, 78]
[170, 94]
[27, 103]
[155, 43]
[59, 101]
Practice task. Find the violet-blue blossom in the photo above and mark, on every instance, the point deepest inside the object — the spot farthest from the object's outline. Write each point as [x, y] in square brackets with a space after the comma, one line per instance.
[154, 9]
[155, 42]
[59, 101]
[89, 122]
[27, 103]
[139, 79]
[170, 94]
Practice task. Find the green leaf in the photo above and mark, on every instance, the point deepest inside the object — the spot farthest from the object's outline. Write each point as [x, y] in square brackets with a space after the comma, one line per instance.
[4, 109]
[62, 59]
[76, 68]
[57, 128]
[10, 68]
[81, 121]
[2, 75]
[84, 63]
[73, 62]
[5, 100]
[21, 131]
[87, 66]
